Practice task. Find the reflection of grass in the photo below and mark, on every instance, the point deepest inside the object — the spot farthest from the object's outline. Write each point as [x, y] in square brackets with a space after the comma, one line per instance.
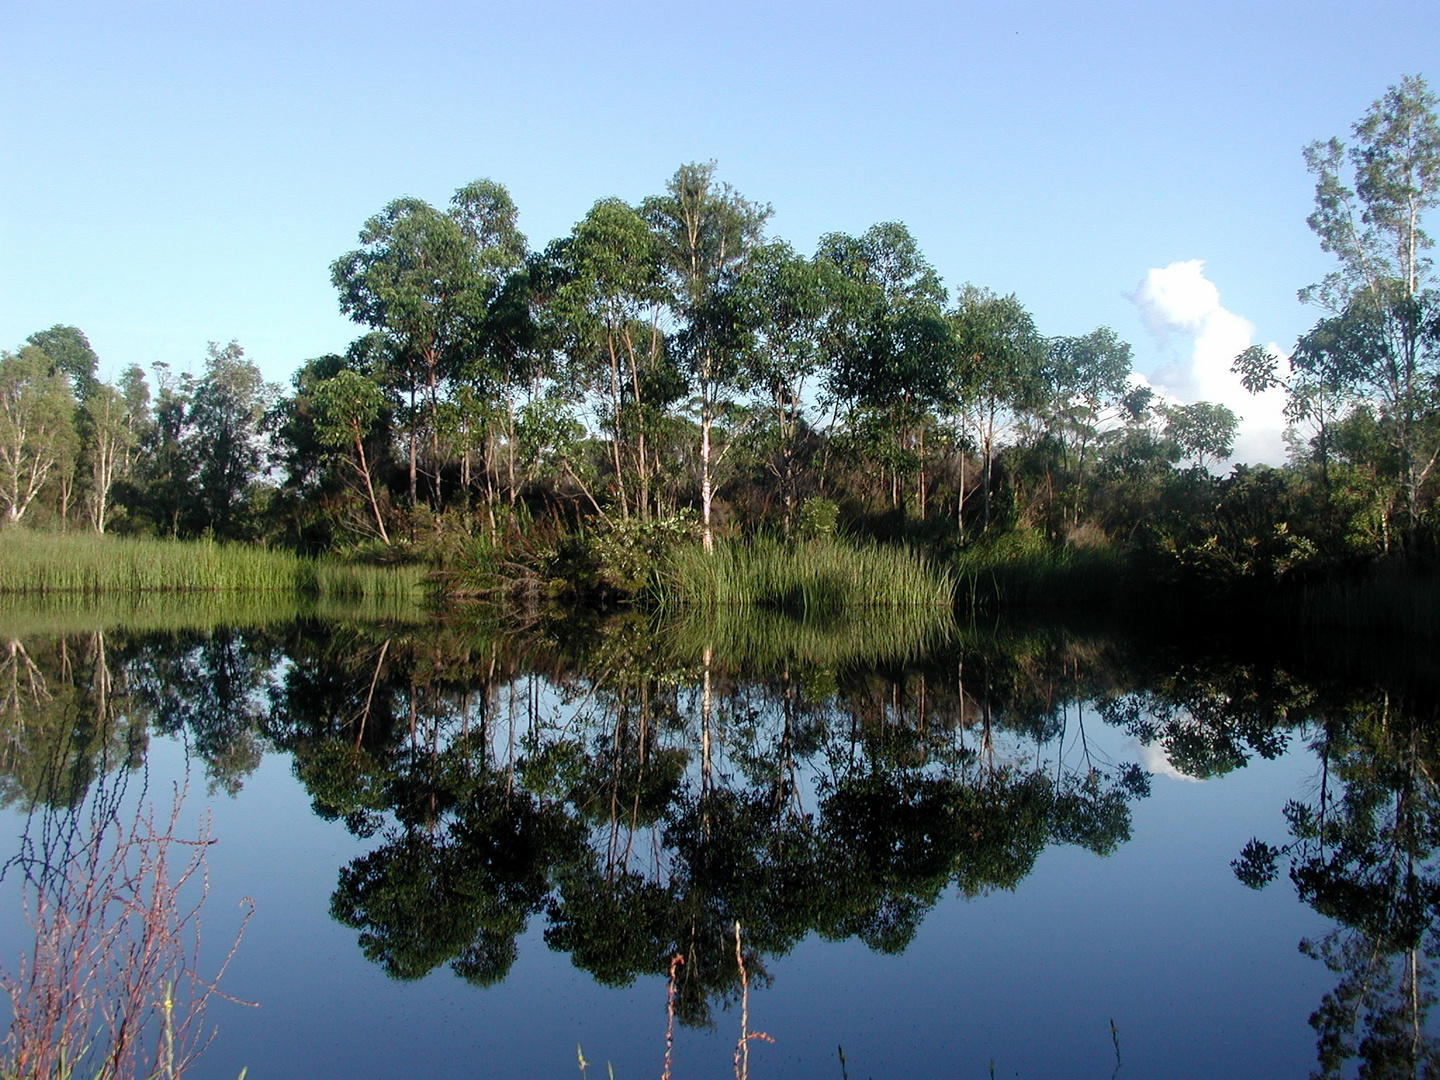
[821, 602]
[764, 639]
[32, 562]
[1390, 600]
[77, 613]
[815, 578]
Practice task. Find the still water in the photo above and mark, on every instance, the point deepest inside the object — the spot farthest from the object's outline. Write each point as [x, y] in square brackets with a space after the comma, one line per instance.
[1031, 851]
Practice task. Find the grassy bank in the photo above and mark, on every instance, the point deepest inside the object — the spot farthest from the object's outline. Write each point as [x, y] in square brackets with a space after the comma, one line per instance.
[1391, 600]
[816, 578]
[46, 563]
[823, 601]
[1019, 570]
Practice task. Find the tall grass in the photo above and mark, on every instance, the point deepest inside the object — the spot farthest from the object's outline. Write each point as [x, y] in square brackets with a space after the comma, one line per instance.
[1390, 600]
[1021, 570]
[45, 563]
[813, 578]
[822, 601]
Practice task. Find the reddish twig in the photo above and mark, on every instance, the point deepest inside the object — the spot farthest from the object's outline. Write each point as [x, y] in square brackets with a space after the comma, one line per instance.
[113, 980]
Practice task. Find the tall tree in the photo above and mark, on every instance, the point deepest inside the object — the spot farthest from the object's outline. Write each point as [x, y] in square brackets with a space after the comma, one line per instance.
[425, 278]
[999, 369]
[1204, 431]
[889, 346]
[108, 443]
[706, 232]
[162, 490]
[1381, 340]
[224, 417]
[37, 427]
[346, 407]
[1087, 382]
[791, 300]
[609, 307]
[71, 354]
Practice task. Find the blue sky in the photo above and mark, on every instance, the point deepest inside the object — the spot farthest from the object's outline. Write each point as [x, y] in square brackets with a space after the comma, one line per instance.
[175, 173]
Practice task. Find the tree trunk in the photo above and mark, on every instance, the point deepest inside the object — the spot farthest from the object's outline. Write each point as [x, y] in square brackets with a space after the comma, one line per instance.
[370, 489]
[706, 491]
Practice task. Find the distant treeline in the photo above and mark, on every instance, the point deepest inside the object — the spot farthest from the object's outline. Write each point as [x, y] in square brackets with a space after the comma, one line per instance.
[668, 366]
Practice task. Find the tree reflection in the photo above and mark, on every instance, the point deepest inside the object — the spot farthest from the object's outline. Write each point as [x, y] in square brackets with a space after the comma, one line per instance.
[1363, 853]
[643, 799]
[637, 790]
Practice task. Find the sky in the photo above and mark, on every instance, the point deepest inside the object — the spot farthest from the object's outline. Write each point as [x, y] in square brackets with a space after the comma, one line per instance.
[176, 173]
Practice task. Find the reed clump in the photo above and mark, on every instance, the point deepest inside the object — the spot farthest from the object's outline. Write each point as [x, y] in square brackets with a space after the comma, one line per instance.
[1022, 570]
[46, 563]
[1391, 600]
[768, 640]
[813, 578]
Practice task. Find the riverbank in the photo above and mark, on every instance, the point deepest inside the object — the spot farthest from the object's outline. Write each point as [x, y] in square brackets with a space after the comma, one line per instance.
[43, 564]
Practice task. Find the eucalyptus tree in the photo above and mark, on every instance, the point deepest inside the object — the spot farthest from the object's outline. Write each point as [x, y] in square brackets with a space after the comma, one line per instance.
[792, 301]
[1204, 431]
[1087, 380]
[425, 278]
[998, 372]
[161, 489]
[109, 442]
[890, 347]
[135, 391]
[72, 356]
[1379, 344]
[706, 233]
[37, 427]
[224, 421]
[608, 309]
[346, 408]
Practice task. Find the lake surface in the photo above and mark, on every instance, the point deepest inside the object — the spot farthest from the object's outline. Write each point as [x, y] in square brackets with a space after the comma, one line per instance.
[1018, 850]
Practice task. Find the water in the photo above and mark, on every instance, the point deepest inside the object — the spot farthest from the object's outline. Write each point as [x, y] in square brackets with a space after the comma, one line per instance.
[470, 852]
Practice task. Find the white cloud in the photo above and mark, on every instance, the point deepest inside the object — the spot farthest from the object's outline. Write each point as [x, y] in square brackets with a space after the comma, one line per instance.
[1156, 762]
[1178, 301]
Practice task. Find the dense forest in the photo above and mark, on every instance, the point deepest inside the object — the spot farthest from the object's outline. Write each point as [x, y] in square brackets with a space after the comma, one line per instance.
[669, 372]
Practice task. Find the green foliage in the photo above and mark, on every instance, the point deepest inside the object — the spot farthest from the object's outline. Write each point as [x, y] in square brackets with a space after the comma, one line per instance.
[817, 519]
[44, 563]
[37, 428]
[1204, 431]
[812, 578]
[71, 356]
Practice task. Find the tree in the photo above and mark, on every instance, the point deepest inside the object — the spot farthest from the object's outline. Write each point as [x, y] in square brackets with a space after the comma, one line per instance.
[110, 436]
[71, 355]
[1204, 431]
[224, 417]
[791, 300]
[163, 486]
[999, 367]
[890, 347]
[37, 427]
[608, 310]
[136, 393]
[425, 278]
[1380, 342]
[346, 407]
[1087, 380]
[706, 233]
